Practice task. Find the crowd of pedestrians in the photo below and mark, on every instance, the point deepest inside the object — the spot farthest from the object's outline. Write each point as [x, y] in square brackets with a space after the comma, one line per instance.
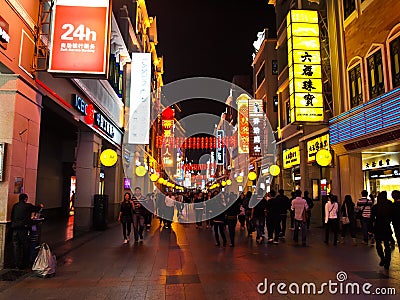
[266, 215]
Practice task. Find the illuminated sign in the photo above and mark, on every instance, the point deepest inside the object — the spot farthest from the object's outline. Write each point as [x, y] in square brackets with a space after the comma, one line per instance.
[104, 124]
[4, 36]
[380, 161]
[80, 37]
[291, 157]
[243, 124]
[219, 151]
[256, 133]
[314, 145]
[304, 62]
[108, 157]
[139, 110]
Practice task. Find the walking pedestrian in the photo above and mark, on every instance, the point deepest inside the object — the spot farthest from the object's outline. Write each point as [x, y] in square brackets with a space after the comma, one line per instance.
[292, 212]
[381, 217]
[199, 209]
[169, 209]
[258, 215]
[396, 215]
[299, 207]
[242, 215]
[126, 216]
[219, 220]
[284, 207]
[310, 204]
[247, 212]
[273, 218]
[363, 210]
[139, 213]
[347, 210]
[232, 216]
[208, 209]
[331, 219]
[21, 223]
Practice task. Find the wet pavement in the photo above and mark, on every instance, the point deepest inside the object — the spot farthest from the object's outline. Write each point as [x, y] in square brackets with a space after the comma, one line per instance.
[184, 263]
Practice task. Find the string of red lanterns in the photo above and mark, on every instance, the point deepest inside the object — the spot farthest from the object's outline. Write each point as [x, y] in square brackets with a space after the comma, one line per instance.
[195, 142]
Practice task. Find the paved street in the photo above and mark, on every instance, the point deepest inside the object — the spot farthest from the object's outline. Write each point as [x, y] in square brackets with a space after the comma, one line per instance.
[183, 263]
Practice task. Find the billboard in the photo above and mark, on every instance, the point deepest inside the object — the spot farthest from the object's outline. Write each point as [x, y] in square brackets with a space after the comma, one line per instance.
[304, 62]
[80, 38]
[140, 99]
[256, 133]
[243, 125]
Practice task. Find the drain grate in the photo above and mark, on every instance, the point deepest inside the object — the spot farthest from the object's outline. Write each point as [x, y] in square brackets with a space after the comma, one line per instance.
[12, 275]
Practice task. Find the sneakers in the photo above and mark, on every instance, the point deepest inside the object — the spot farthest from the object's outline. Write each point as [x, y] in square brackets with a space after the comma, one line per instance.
[276, 242]
[125, 241]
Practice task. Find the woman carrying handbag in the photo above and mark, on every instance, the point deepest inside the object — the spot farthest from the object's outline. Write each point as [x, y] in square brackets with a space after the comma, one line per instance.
[348, 219]
[331, 219]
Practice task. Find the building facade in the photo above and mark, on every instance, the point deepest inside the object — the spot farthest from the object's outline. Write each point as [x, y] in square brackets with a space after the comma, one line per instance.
[54, 126]
[365, 129]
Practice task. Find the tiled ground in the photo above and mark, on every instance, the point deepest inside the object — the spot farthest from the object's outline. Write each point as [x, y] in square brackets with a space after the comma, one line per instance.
[183, 263]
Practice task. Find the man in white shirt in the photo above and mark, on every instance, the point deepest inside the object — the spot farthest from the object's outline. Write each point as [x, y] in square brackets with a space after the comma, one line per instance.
[299, 206]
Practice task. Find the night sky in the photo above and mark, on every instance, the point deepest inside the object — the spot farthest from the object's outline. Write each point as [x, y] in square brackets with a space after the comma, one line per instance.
[212, 38]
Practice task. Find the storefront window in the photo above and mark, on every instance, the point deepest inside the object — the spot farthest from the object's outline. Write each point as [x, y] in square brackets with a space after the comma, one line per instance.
[355, 82]
[375, 74]
[395, 61]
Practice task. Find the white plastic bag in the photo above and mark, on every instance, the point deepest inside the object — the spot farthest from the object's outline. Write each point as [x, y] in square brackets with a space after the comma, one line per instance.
[45, 262]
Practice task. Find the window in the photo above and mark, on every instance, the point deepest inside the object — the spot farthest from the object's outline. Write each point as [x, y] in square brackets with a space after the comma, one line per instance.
[348, 6]
[395, 61]
[287, 112]
[260, 75]
[355, 86]
[376, 81]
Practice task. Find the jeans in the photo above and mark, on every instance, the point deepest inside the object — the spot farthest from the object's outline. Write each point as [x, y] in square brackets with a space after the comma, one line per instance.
[260, 223]
[274, 227]
[334, 225]
[199, 216]
[219, 226]
[138, 225]
[365, 228]
[300, 224]
[232, 221]
[126, 229]
[20, 241]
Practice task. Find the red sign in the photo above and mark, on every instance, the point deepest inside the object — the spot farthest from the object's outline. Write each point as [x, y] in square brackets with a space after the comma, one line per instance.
[80, 37]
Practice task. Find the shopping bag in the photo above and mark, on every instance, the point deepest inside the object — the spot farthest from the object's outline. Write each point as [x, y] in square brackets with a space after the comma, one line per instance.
[45, 262]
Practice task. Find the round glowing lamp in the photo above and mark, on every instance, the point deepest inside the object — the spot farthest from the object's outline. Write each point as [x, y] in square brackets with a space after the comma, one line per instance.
[160, 180]
[154, 177]
[228, 182]
[239, 179]
[252, 175]
[108, 157]
[140, 171]
[274, 170]
[323, 157]
[223, 183]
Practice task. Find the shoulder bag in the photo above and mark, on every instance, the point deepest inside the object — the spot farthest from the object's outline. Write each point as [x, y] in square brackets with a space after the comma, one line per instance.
[345, 220]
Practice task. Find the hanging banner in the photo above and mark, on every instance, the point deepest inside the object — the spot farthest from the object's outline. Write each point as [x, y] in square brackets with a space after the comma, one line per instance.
[304, 62]
[80, 38]
[220, 148]
[139, 110]
[243, 126]
[256, 120]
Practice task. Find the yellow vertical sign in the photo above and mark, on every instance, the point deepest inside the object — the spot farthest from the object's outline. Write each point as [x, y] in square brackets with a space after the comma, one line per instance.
[304, 62]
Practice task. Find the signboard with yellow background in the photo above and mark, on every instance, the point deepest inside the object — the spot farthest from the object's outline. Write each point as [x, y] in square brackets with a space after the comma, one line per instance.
[314, 145]
[291, 157]
[304, 62]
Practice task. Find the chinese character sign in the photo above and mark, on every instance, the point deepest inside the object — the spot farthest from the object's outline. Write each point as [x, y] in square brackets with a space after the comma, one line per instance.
[291, 157]
[80, 37]
[314, 145]
[219, 151]
[243, 126]
[304, 62]
[256, 120]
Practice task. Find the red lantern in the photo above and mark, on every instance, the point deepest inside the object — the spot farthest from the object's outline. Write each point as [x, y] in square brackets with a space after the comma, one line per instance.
[202, 142]
[168, 114]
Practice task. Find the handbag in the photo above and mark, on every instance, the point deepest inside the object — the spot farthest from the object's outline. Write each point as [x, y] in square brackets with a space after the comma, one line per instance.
[345, 220]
